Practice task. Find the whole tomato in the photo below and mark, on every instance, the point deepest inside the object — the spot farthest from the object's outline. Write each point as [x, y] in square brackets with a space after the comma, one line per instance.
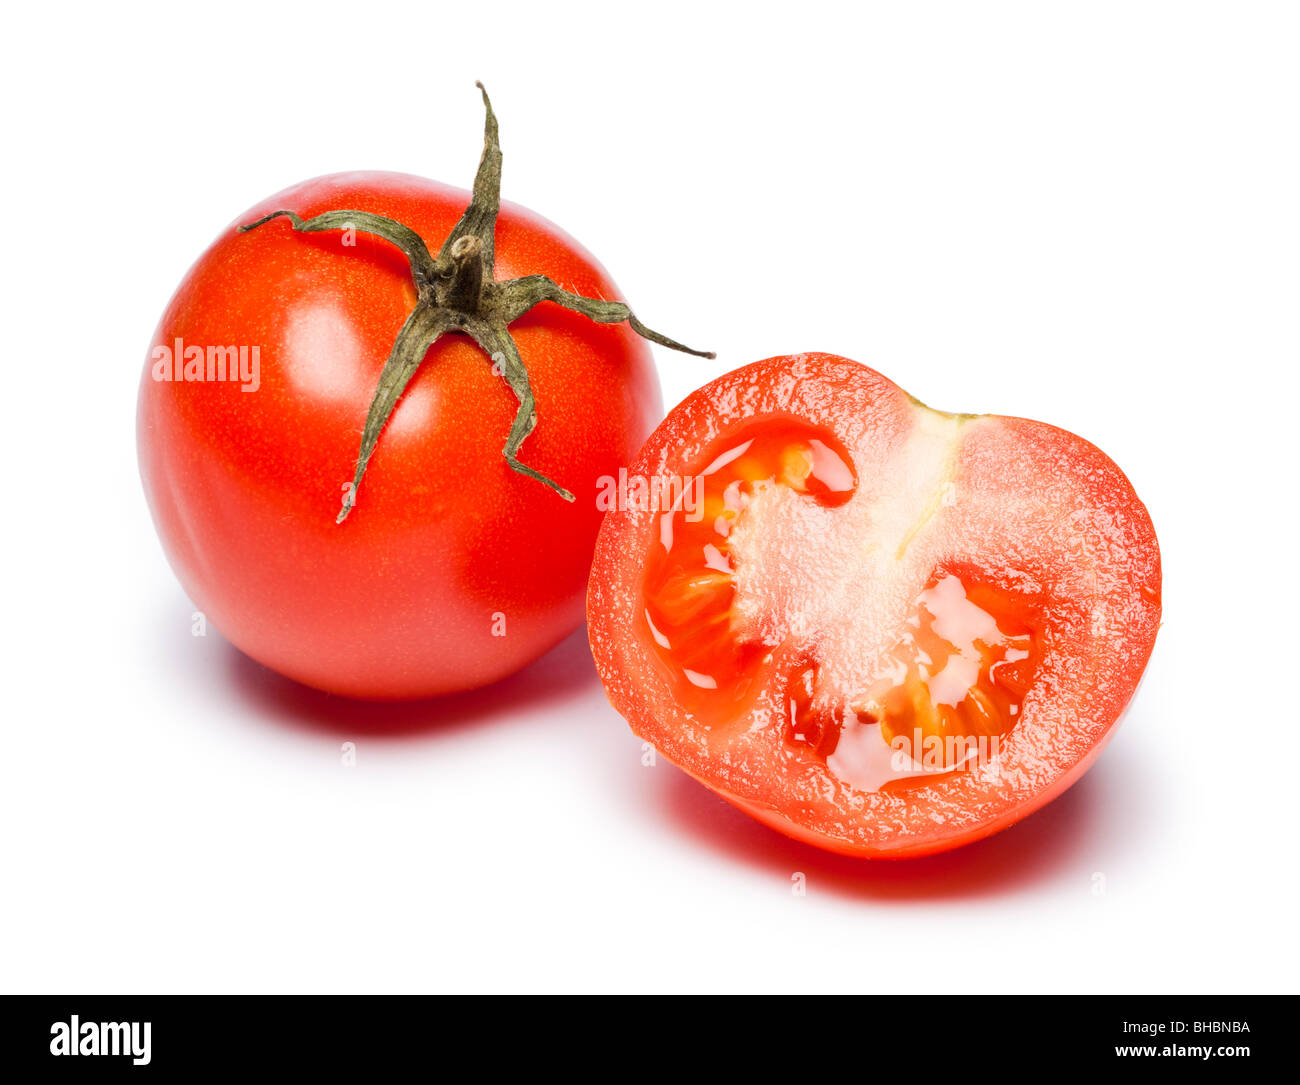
[457, 565]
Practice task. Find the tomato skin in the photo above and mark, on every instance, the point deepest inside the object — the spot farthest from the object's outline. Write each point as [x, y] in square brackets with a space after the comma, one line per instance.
[447, 548]
[1030, 504]
[919, 848]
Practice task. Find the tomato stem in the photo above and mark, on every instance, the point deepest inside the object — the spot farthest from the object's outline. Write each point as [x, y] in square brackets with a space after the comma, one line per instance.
[457, 291]
[463, 289]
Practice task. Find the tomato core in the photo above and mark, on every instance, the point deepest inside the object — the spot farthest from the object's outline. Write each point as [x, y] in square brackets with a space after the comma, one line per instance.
[948, 690]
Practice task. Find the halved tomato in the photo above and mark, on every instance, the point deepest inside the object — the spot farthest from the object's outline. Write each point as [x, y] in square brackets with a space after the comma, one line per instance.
[879, 628]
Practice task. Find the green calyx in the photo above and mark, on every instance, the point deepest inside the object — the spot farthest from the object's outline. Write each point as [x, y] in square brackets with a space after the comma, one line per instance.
[457, 292]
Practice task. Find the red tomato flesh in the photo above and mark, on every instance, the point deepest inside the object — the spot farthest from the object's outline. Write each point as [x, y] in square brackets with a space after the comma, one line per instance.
[879, 628]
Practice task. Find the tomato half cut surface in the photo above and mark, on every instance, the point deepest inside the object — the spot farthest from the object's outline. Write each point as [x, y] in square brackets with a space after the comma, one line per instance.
[879, 628]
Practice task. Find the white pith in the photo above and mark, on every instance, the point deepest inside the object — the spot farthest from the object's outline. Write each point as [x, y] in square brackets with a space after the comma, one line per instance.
[843, 582]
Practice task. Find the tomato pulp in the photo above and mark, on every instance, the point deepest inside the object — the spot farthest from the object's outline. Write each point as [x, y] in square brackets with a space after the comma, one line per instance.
[453, 570]
[876, 627]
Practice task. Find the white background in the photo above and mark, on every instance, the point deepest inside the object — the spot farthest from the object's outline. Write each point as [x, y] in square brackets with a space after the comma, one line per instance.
[1084, 213]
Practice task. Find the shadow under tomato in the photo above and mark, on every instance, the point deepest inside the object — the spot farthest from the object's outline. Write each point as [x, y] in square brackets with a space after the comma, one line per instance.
[1082, 830]
[563, 673]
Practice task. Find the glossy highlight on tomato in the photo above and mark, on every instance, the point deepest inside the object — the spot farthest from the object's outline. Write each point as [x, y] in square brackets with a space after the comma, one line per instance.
[882, 629]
